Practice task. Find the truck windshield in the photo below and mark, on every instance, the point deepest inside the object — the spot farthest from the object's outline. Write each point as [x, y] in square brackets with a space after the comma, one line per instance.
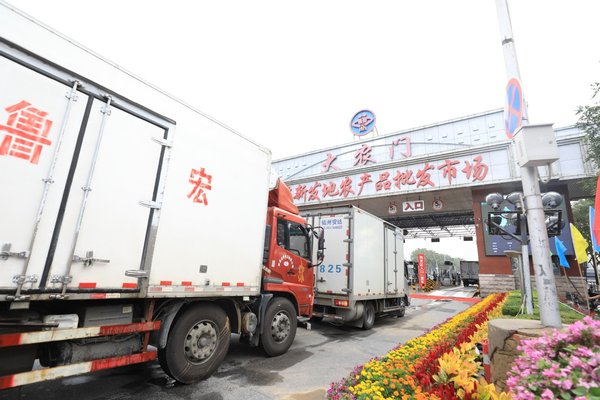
[293, 237]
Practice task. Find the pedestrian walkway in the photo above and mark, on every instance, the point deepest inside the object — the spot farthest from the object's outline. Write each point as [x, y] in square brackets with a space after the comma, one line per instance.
[453, 294]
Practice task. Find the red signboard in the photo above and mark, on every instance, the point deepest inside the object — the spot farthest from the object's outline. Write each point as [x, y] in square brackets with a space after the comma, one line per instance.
[422, 271]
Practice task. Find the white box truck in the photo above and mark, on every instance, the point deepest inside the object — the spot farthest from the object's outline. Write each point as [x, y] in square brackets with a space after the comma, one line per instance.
[363, 274]
[129, 218]
[469, 272]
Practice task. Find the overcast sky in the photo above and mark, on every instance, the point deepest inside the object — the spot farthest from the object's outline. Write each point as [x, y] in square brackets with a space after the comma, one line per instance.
[290, 75]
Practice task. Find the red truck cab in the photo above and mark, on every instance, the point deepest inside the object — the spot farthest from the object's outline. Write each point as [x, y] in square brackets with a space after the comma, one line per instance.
[288, 263]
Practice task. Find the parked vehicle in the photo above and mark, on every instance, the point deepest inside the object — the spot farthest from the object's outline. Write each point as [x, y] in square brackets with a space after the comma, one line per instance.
[469, 271]
[129, 218]
[363, 274]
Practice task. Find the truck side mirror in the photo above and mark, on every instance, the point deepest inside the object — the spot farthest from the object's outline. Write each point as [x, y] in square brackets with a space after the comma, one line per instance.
[320, 244]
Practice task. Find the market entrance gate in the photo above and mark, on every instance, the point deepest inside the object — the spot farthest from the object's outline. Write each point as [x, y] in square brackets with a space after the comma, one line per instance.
[432, 181]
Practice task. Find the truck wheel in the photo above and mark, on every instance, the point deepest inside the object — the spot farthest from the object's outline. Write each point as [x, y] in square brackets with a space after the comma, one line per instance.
[197, 344]
[368, 316]
[279, 327]
[401, 313]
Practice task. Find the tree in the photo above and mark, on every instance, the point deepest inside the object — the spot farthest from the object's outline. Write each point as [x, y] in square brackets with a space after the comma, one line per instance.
[581, 219]
[589, 122]
[433, 257]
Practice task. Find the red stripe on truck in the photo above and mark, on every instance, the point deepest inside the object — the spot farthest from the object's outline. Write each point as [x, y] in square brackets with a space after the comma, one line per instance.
[122, 361]
[10, 339]
[129, 285]
[129, 328]
[239, 284]
[166, 283]
[6, 381]
[225, 284]
[87, 285]
[186, 283]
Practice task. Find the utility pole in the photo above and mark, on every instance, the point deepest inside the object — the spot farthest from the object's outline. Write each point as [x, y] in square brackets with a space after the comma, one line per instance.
[540, 248]
[525, 267]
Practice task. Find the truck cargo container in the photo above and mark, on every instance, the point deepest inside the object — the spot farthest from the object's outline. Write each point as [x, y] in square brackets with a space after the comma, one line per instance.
[363, 274]
[469, 272]
[128, 218]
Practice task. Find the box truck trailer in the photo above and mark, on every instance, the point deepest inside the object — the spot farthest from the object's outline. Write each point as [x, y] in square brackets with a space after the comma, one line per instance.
[469, 272]
[363, 274]
[132, 226]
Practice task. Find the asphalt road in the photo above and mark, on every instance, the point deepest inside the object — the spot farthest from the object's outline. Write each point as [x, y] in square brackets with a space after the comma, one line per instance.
[319, 356]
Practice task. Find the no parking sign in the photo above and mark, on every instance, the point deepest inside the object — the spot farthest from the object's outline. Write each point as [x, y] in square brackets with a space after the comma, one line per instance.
[513, 109]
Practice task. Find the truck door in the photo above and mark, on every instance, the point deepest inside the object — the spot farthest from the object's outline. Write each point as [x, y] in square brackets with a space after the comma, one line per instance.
[39, 124]
[80, 178]
[392, 269]
[108, 216]
[332, 275]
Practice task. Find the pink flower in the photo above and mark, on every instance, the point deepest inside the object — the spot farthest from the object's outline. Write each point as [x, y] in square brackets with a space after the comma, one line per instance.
[547, 394]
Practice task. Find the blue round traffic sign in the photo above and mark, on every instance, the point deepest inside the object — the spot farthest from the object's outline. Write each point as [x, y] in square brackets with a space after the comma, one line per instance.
[513, 110]
[362, 123]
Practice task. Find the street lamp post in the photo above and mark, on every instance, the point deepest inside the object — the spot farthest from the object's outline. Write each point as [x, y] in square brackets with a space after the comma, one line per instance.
[547, 296]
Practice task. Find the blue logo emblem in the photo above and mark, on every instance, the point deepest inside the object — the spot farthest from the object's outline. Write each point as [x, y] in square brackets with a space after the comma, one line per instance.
[362, 123]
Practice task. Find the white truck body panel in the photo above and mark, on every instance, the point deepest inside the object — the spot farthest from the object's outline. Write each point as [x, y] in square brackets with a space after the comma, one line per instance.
[369, 251]
[469, 270]
[367, 255]
[150, 149]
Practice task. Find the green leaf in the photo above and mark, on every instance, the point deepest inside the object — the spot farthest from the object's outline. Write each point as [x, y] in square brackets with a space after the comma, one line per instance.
[580, 391]
[566, 396]
[595, 391]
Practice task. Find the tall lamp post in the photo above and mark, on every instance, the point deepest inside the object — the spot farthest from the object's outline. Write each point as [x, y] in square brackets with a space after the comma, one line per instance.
[546, 285]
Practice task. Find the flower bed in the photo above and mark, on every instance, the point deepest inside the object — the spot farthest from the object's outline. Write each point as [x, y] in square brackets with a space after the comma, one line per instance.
[559, 365]
[440, 364]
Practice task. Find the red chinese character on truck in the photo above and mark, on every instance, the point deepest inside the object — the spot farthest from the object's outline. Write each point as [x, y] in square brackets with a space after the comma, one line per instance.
[202, 182]
[27, 132]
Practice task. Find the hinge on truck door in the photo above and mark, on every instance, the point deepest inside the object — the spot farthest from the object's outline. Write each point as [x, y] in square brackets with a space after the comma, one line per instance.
[5, 253]
[348, 240]
[61, 279]
[64, 280]
[346, 290]
[89, 259]
[163, 142]
[136, 273]
[347, 265]
[20, 280]
[150, 204]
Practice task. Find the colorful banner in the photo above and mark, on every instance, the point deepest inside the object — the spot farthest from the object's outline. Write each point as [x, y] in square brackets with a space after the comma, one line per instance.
[595, 246]
[422, 271]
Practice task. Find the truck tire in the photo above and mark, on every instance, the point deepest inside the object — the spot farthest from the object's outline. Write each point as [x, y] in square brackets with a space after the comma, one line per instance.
[368, 316]
[279, 327]
[197, 343]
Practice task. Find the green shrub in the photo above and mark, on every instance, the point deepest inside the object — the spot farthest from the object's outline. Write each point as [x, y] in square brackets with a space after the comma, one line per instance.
[512, 307]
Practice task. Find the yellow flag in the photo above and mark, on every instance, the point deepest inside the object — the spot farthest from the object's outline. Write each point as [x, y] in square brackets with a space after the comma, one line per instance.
[580, 245]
